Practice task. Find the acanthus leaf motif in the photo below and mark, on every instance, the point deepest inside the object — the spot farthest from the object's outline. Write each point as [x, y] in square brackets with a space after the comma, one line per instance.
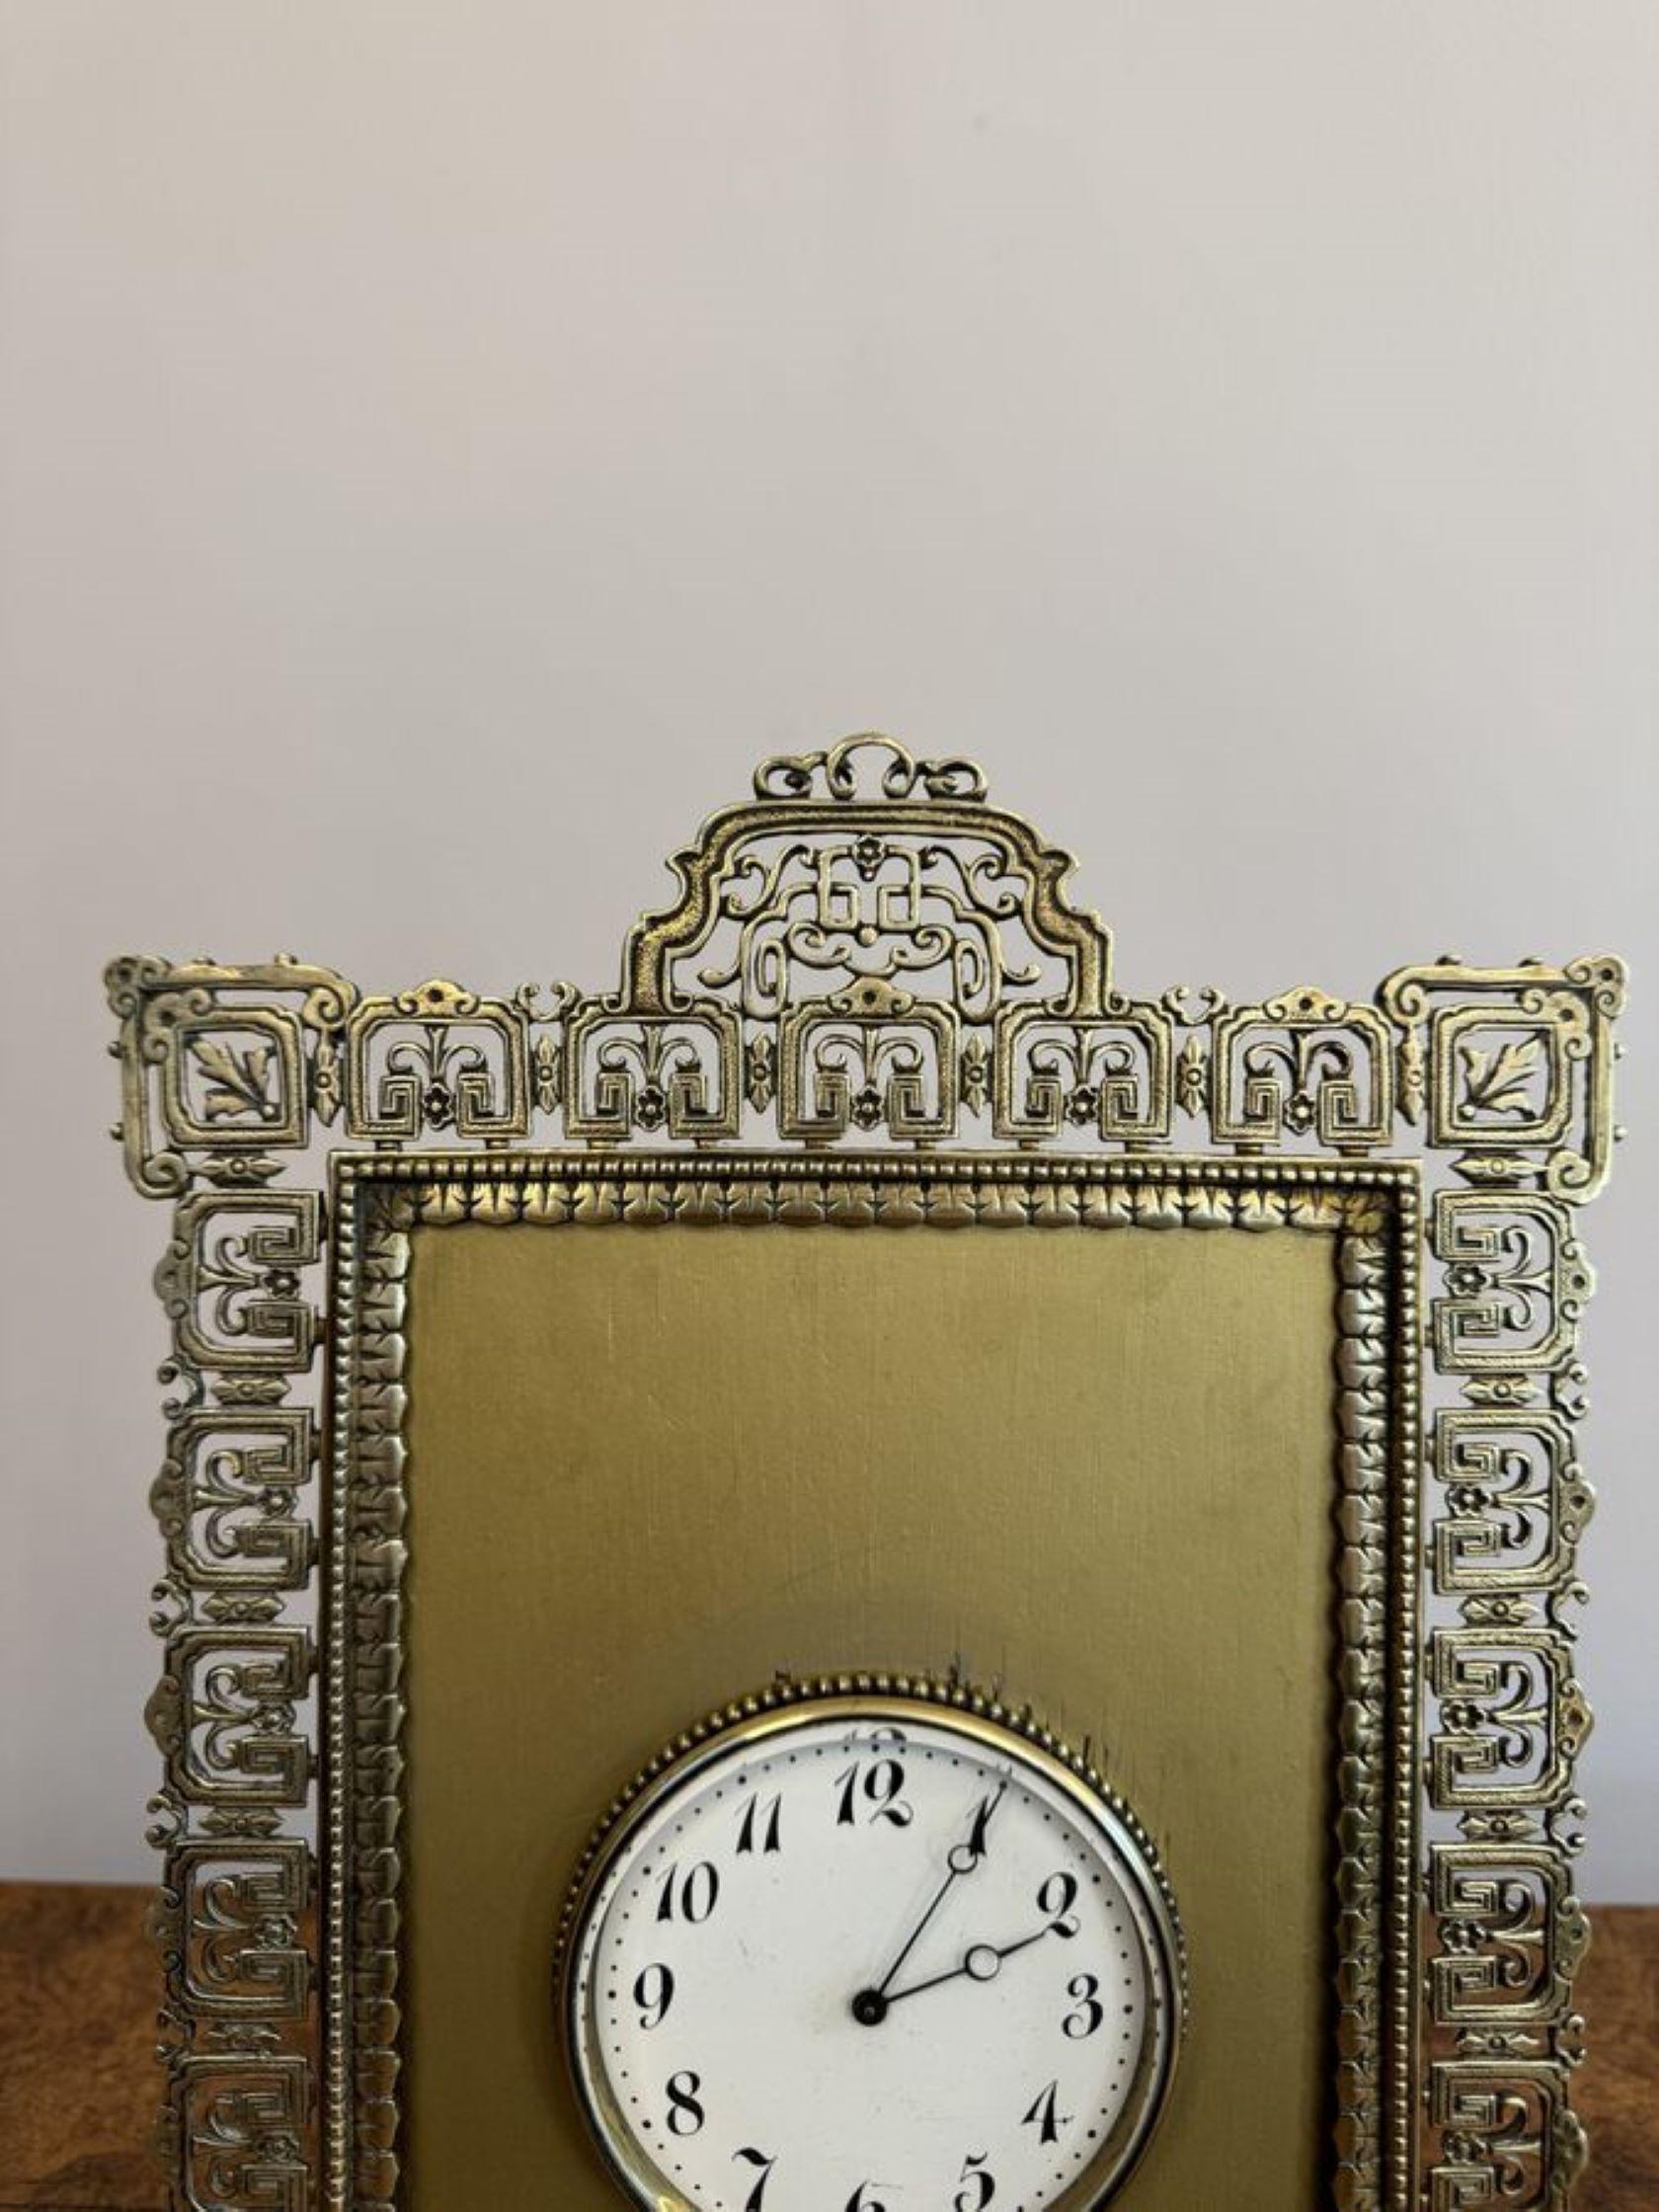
[238, 1081]
[1499, 1081]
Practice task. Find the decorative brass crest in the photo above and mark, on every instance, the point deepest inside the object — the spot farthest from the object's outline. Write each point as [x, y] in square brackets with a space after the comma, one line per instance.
[877, 977]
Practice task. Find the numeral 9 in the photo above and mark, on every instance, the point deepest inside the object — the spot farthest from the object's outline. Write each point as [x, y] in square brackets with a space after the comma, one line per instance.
[654, 1989]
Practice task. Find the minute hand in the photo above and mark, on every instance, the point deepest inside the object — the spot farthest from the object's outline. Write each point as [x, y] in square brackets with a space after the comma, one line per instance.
[962, 1858]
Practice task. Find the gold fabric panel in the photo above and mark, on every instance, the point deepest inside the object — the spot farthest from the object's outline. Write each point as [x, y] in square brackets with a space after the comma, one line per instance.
[650, 1468]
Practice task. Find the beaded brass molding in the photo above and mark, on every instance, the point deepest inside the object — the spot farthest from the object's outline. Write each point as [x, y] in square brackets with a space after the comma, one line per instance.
[879, 978]
[1369, 1211]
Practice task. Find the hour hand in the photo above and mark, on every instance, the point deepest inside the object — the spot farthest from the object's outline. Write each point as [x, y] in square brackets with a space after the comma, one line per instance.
[980, 1963]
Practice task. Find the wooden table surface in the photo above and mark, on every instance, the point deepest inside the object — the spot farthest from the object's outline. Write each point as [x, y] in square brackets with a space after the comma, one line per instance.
[78, 2082]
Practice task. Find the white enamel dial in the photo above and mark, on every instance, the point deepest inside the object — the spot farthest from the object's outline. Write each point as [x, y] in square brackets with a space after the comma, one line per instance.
[871, 1955]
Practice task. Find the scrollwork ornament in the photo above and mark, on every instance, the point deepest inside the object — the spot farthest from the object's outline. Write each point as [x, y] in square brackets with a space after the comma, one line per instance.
[881, 978]
[837, 774]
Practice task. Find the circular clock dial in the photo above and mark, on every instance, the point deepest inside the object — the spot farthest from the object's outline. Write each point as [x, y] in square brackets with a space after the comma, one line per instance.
[867, 1953]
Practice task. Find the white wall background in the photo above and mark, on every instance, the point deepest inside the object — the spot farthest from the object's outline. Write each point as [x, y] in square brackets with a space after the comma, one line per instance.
[444, 445]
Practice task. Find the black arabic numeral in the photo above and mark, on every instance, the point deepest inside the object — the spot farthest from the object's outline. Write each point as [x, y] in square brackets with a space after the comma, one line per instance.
[1046, 2116]
[859, 2201]
[1090, 2012]
[653, 1988]
[767, 1824]
[975, 2178]
[693, 1898]
[757, 2198]
[881, 1786]
[685, 2114]
[849, 1780]
[1057, 1897]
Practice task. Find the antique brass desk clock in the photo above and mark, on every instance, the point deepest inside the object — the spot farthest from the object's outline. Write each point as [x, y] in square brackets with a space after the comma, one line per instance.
[869, 1575]
[762, 1987]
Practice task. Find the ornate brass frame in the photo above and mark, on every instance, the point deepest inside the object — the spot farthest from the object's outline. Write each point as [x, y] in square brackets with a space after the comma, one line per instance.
[886, 961]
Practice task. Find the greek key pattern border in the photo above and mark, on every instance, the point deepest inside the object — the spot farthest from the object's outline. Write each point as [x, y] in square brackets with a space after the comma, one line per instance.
[867, 969]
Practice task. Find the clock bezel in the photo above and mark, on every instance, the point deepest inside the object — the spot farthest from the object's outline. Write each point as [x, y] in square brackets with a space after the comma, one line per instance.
[787, 1704]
